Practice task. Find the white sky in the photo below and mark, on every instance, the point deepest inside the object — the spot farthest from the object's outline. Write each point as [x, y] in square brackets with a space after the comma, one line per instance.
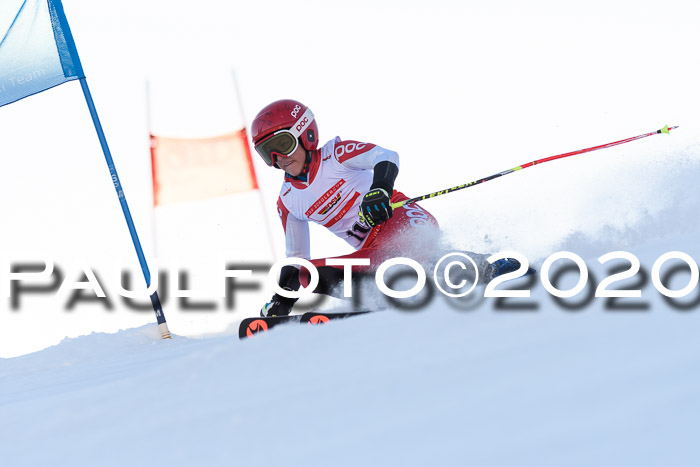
[460, 89]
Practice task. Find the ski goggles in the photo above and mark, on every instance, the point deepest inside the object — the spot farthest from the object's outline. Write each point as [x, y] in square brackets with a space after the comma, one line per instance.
[282, 143]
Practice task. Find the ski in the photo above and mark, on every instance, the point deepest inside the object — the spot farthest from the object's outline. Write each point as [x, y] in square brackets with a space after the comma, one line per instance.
[252, 326]
[318, 317]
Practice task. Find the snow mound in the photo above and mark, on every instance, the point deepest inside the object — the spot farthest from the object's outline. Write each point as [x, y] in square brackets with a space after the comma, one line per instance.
[437, 387]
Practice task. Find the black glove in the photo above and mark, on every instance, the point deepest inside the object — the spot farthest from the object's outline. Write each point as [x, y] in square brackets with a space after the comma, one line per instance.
[376, 207]
[278, 306]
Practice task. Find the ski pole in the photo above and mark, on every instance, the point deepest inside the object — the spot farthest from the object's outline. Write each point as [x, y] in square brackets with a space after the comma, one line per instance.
[665, 129]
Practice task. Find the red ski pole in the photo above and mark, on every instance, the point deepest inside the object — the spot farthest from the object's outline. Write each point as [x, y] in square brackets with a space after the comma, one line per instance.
[665, 129]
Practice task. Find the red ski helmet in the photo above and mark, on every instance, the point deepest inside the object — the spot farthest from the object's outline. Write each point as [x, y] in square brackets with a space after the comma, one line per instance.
[285, 114]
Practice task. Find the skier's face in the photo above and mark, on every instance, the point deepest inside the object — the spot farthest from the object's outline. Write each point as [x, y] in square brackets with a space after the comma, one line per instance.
[294, 163]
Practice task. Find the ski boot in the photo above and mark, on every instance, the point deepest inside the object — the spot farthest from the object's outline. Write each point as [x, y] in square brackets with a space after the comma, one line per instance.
[278, 306]
[502, 266]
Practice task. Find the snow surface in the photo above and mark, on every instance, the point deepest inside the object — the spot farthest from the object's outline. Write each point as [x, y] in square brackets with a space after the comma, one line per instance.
[549, 387]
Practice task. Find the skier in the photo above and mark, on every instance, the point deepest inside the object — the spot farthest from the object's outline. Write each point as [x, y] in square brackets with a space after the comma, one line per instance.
[348, 187]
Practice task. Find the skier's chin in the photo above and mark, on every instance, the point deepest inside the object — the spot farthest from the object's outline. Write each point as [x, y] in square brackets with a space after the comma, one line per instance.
[292, 169]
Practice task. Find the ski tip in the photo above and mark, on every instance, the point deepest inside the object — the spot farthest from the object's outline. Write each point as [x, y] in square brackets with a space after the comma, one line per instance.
[667, 129]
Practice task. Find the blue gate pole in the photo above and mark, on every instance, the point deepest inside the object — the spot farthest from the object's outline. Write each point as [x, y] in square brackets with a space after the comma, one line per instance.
[155, 301]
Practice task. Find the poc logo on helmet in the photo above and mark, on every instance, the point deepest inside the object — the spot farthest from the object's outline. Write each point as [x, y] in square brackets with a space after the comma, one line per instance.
[296, 110]
[302, 124]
